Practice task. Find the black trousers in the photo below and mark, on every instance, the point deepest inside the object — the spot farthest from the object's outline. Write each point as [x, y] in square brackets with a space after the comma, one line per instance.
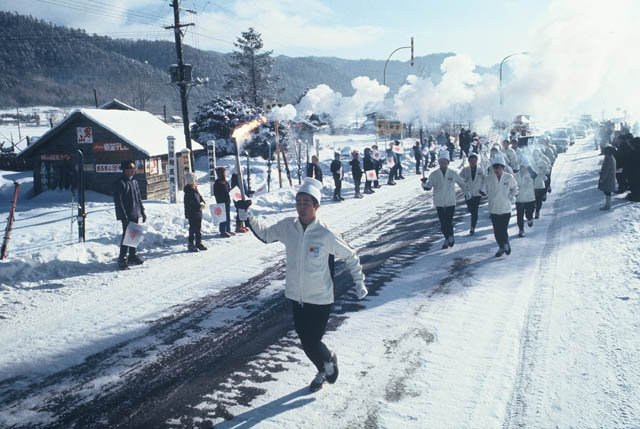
[124, 249]
[195, 224]
[310, 321]
[398, 170]
[500, 224]
[338, 182]
[418, 162]
[547, 182]
[393, 172]
[540, 193]
[445, 214]
[472, 205]
[356, 182]
[522, 210]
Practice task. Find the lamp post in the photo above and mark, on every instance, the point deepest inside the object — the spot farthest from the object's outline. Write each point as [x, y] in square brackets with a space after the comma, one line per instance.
[501, 63]
[384, 73]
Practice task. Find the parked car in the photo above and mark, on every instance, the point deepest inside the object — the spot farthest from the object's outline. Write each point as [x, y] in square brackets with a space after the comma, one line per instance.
[570, 134]
[561, 139]
[580, 131]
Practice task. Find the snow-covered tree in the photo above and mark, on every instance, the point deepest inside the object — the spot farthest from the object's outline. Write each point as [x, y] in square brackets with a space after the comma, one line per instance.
[218, 118]
[251, 79]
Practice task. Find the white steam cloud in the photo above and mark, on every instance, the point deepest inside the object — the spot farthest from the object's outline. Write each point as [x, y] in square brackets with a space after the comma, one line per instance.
[284, 113]
[322, 99]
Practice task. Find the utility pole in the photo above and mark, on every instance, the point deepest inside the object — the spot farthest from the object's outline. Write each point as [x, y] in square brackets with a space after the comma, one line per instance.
[182, 84]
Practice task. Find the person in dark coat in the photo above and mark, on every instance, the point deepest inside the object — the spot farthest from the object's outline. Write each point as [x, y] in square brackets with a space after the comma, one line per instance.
[129, 208]
[632, 169]
[193, 206]
[461, 141]
[369, 165]
[417, 154]
[450, 146]
[314, 170]
[338, 175]
[356, 171]
[221, 190]
[240, 227]
[377, 164]
[607, 181]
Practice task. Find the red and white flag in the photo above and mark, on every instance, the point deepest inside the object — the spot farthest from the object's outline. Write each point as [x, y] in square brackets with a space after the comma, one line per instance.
[235, 194]
[134, 235]
[371, 174]
[218, 213]
[391, 162]
[376, 155]
[260, 191]
[397, 148]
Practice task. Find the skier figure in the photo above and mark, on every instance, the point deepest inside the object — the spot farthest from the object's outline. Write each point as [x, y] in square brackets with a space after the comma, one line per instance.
[338, 175]
[129, 209]
[221, 190]
[541, 167]
[474, 180]
[356, 172]
[417, 154]
[501, 188]
[193, 205]
[526, 198]
[369, 165]
[443, 182]
[310, 248]
[607, 182]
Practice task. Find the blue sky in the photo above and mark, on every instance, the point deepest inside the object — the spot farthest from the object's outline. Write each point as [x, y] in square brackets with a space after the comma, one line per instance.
[486, 30]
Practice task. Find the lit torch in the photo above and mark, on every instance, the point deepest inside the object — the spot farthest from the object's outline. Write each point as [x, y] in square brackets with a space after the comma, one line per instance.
[242, 133]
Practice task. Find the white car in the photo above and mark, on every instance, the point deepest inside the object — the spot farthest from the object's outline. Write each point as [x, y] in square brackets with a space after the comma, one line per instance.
[561, 139]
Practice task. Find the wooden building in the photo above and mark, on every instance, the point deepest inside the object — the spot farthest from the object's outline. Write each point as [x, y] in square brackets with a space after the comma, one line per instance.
[106, 138]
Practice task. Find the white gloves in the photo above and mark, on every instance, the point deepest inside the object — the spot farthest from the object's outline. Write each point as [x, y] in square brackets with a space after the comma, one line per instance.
[361, 291]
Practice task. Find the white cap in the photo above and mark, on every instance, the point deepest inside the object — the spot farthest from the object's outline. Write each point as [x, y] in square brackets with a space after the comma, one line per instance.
[444, 154]
[312, 187]
[499, 159]
[190, 179]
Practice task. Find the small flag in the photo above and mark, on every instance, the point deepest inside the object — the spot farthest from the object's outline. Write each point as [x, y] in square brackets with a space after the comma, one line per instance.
[376, 155]
[218, 213]
[425, 151]
[391, 162]
[133, 235]
[371, 174]
[235, 194]
[260, 191]
[397, 148]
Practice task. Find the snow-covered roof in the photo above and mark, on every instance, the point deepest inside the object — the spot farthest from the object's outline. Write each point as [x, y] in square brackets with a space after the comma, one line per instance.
[140, 129]
[116, 103]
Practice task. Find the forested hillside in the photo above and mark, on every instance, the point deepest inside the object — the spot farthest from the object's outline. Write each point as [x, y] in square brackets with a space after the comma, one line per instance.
[45, 64]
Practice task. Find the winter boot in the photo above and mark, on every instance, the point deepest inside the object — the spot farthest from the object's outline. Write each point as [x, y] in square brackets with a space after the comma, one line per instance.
[500, 252]
[537, 214]
[521, 233]
[451, 241]
[341, 198]
[472, 231]
[607, 204]
[445, 245]
[530, 223]
[318, 381]
[192, 248]
[122, 264]
[391, 182]
[201, 246]
[134, 259]
[331, 369]
[507, 249]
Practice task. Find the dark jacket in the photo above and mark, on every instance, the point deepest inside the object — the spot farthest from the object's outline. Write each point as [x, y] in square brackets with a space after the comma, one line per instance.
[314, 171]
[356, 170]
[192, 201]
[417, 153]
[607, 182]
[126, 197]
[221, 191]
[336, 165]
[369, 163]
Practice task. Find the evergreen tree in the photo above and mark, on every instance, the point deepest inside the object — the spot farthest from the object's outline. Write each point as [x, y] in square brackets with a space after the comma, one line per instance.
[251, 79]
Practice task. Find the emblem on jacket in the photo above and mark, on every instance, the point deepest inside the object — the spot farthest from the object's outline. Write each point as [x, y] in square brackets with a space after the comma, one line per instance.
[315, 251]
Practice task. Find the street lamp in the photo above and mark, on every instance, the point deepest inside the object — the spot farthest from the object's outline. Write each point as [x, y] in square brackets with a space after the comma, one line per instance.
[501, 63]
[384, 74]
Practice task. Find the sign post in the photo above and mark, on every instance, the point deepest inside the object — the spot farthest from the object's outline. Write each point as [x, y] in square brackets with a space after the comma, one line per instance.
[82, 215]
[172, 170]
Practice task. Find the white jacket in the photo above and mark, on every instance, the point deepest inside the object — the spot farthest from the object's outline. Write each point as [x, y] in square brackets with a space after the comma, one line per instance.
[308, 279]
[444, 191]
[541, 167]
[512, 158]
[525, 186]
[500, 192]
[476, 185]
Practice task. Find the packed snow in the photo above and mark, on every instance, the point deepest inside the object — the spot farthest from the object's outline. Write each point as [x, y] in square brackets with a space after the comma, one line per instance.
[545, 337]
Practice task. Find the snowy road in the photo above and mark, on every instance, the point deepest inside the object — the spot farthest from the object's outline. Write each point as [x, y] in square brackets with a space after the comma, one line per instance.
[546, 337]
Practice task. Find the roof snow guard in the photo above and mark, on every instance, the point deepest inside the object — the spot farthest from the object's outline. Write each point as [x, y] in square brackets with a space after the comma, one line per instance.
[140, 129]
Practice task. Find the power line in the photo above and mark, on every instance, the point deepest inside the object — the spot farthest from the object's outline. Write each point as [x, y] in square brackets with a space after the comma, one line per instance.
[101, 11]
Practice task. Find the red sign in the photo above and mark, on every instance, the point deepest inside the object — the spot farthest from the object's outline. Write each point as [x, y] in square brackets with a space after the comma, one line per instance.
[109, 147]
[55, 157]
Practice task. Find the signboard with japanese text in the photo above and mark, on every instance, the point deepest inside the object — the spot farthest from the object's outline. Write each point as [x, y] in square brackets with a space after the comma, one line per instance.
[55, 157]
[108, 168]
[85, 135]
[109, 147]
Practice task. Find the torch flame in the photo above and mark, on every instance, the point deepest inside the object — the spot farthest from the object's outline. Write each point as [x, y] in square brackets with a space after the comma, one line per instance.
[244, 130]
